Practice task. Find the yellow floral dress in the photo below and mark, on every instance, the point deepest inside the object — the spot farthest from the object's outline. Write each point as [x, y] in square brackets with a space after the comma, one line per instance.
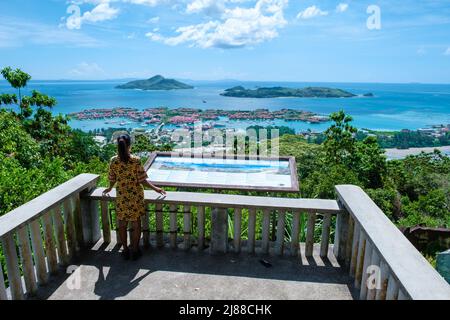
[130, 204]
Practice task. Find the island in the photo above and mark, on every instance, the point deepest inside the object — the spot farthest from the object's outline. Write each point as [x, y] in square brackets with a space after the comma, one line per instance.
[279, 92]
[155, 83]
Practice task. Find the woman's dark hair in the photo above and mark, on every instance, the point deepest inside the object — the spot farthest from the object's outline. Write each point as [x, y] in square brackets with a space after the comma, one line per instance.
[123, 142]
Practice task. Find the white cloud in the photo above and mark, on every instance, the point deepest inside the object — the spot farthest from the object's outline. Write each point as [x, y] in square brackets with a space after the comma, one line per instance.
[421, 51]
[311, 12]
[342, 7]
[87, 70]
[102, 12]
[151, 3]
[153, 20]
[447, 52]
[208, 7]
[138, 2]
[237, 27]
[154, 36]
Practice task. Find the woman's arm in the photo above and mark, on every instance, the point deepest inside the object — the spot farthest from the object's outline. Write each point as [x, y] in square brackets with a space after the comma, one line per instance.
[112, 179]
[143, 179]
[108, 190]
[147, 183]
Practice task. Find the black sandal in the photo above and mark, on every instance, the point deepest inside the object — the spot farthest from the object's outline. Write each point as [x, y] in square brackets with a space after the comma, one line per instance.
[136, 254]
[126, 254]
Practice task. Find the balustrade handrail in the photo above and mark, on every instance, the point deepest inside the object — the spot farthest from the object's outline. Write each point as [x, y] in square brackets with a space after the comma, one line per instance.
[52, 228]
[415, 275]
[232, 201]
[33, 209]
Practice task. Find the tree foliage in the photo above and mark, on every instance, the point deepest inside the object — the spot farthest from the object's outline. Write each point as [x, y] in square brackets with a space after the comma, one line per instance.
[412, 191]
[19, 80]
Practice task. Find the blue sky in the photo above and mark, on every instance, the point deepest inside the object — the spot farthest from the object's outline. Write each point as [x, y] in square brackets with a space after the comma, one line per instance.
[279, 40]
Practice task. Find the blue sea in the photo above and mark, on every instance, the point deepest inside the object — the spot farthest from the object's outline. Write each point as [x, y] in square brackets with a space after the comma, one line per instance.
[393, 107]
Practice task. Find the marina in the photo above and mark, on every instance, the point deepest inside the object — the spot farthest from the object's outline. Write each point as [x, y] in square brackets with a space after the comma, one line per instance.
[187, 116]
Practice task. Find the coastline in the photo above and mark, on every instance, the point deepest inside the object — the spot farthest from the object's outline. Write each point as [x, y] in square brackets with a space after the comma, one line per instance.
[395, 106]
[396, 154]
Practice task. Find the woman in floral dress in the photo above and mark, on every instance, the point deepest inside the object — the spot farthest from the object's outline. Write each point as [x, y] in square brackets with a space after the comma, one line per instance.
[127, 172]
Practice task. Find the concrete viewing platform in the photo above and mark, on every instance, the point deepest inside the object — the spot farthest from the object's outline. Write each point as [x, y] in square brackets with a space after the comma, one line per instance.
[175, 274]
[63, 245]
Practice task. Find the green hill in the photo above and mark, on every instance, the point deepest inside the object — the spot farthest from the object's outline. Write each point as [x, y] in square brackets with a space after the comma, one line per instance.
[277, 92]
[155, 83]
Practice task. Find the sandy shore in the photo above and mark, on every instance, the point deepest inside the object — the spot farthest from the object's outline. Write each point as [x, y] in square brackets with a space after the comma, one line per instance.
[402, 153]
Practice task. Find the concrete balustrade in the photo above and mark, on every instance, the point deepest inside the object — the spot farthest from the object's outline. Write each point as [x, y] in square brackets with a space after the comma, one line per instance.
[46, 234]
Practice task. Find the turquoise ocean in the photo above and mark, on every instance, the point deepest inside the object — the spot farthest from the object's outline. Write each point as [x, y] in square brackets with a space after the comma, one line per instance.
[393, 107]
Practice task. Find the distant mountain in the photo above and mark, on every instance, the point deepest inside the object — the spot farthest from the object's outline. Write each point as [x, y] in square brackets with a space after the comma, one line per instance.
[277, 92]
[155, 83]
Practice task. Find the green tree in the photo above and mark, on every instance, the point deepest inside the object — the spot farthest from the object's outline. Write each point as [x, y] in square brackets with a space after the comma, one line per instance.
[365, 158]
[321, 183]
[82, 147]
[16, 143]
[430, 210]
[370, 162]
[340, 141]
[142, 144]
[19, 80]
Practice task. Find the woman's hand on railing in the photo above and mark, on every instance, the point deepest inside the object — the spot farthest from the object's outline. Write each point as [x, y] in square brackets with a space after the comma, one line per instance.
[150, 185]
[106, 191]
[160, 191]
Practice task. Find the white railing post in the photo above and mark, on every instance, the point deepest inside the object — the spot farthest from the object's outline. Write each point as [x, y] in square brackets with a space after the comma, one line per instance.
[12, 267]
[341, 236]
[90, 218]
[219, 231]
[295, 243]
[201, 227]
[159, 218]
[27, 260]
[3, 295]
[237, 229]
[38, 250]
[265, 231]
[325, 239]
[311, 224]
[279, 244]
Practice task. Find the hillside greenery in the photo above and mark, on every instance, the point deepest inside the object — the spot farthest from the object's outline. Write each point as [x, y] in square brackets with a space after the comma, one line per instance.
[396, 139]
[277, 92]
[155, 83]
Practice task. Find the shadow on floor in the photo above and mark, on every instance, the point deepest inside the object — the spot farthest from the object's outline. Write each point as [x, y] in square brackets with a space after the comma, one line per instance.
[116, 278]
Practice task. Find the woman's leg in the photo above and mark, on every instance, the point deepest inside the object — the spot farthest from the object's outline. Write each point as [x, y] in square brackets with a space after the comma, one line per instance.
[136, 235]
[123, 234]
